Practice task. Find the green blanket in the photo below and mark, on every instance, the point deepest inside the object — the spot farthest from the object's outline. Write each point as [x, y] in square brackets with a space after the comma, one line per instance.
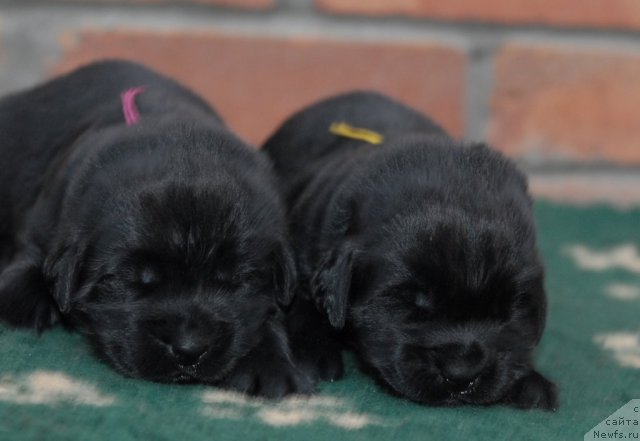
[52, 388]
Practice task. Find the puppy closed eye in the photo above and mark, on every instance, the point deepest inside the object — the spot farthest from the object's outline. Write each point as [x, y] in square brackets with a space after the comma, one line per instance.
[422, 305]
[146, 279]
[148, 276]
[420, 301]
[423, 301]
[142, 270]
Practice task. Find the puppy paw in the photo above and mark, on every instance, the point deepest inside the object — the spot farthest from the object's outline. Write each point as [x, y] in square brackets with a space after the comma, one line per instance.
[321, 363]
[270, 379]
[24, 297]
[316, 346]
[534, 391]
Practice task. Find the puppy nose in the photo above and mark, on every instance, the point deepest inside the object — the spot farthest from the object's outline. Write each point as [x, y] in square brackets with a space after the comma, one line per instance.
[188, 349]
[460, 380]
[460, 365]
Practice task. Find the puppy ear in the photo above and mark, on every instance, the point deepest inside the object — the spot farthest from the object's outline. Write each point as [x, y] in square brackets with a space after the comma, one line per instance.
[62, 269]
[284, 274]
[25, 300]
[330, 285]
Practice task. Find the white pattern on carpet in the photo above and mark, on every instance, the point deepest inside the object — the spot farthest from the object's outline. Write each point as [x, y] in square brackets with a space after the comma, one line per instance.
[623, 291]
[288, 412]
[624, 345]
[621, 257]
[48, 387]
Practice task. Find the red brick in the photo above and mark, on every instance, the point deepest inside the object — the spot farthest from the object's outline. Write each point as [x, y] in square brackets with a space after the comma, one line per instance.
[245, 4]
[624, 14]
[567, 104]
[256, 83]
[241, 4]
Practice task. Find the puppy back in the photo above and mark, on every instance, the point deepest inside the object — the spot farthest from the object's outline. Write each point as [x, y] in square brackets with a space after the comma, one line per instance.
[306, 137]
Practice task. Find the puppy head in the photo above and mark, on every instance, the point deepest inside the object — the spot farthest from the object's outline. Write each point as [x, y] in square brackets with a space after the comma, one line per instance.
[443, 308]
[176, 282]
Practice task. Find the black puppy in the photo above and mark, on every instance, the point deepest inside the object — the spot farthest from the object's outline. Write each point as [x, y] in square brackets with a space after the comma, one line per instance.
[130, 212]
[420, 249]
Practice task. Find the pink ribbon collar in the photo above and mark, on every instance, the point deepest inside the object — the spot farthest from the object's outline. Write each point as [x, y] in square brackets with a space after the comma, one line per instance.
[129, 108]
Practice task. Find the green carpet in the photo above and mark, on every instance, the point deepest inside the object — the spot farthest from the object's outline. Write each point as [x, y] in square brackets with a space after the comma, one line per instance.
[52, 388]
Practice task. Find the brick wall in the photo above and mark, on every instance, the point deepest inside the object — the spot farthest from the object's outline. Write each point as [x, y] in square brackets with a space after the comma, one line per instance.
[554, 84]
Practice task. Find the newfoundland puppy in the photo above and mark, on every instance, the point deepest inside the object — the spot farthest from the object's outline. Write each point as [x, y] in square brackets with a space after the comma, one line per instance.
[129, 212]
[419, 251]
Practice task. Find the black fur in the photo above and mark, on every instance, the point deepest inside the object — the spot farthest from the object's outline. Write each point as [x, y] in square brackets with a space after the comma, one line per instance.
[421, 252]
[163, 242]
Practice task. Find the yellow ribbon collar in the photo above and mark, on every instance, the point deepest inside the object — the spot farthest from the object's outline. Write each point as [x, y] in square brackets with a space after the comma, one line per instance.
[348, 131]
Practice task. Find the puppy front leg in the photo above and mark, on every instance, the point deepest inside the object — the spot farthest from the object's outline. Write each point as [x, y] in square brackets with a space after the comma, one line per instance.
[533, 391]
[315, 344]
[268, 370]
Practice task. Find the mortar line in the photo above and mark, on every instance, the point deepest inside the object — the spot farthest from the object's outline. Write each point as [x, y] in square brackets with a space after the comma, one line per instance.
[287, 21]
